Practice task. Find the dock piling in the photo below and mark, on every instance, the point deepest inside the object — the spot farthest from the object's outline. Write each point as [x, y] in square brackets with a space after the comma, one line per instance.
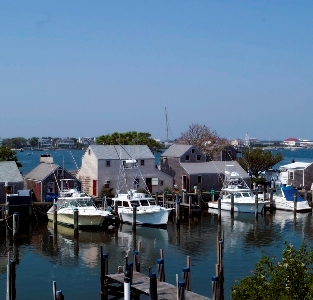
[295, 203]
[153, 289]
[76, 226]
[232, 204]
[181, 290]
[15, 225]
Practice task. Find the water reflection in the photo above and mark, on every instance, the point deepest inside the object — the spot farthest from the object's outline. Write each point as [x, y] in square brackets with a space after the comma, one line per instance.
[63, 258]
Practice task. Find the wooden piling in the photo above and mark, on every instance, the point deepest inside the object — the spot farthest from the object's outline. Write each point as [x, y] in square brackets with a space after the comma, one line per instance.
[134, 218]
[153, 289]
[161, 270]
[15, 225]
[55, 218]
[76, 226]
[215, 288]
[59, 295]
[232, 196]
[104, 262]
[190, 206]
[256, 201]
[177, 210]
[199, 199]
[181, 290]
[295, 203]
[164, 198]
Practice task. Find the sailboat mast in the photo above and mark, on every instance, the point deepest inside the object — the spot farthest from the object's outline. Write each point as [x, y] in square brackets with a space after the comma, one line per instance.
[166, 120]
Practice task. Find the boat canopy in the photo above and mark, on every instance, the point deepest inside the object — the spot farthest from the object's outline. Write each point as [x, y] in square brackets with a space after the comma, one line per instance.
[289, 192]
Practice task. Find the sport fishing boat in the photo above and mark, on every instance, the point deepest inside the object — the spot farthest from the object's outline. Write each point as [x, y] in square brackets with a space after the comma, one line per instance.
[132, 191]
[235, 186]
[70, 199]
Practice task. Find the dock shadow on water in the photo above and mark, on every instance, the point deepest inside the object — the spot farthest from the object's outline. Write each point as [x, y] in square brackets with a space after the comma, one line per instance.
[43, 256]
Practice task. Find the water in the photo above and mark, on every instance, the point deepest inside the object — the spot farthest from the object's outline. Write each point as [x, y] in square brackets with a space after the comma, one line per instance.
[74, 264]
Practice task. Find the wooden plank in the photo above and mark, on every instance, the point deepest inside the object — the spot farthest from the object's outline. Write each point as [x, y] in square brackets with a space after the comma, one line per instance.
[166, 291]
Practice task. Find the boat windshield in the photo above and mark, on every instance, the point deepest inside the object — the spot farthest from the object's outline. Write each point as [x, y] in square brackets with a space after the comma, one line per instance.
[247, 194]
[144, 202]
[135, 202]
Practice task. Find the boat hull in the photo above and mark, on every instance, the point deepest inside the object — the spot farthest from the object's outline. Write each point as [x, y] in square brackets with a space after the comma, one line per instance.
[148, 217]
[282, 204]
[239, 207]
[66, 217]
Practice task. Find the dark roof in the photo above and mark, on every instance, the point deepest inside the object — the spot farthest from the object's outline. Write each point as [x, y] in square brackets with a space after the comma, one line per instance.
[10, 172]
[212, 167]
[176, 150]
[121, 152]
[42, 171]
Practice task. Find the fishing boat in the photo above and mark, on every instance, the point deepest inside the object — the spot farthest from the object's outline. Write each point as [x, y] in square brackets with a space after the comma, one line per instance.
[133, 193]
[70, 199]
[288, 198]
[235, 186]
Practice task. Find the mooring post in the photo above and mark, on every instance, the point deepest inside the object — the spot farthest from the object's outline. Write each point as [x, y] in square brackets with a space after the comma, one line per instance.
[186, 272]
[55, 217]
[104, 268]
[76, 226]
[219, 208]
[127, 286]
[130, 268]
[15, 225]
[199, 199]
[190, 206]
[256, 204]
[134, 218]
[181, 290]
[59, 295]
[189, 278]
[125, 264]
[177, 210]
[153, 289]
[305, 195]
[136, 260]
[214, 287]
[157, 198]
[12, 280]
[232, 196]
[164, 199]
[295, 203]
[161, 270]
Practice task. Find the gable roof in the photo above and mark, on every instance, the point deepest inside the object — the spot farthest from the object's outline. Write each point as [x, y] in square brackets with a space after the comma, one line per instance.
[176, 150]
[121, 151]
[10, 172]
[42, 171]
[296, 165]
[212, 167]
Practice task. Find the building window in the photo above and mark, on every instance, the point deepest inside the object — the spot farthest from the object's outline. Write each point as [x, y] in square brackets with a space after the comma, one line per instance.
[199, 179]
[142, 162]
[187, 157]
[161, 182]
[108, 162]
[291, 175]
[155, 181]
[192, 150]
[60, 172]
[198, 157]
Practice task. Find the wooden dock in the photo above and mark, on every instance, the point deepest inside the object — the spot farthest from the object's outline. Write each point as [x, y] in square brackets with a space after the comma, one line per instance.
[141, 283]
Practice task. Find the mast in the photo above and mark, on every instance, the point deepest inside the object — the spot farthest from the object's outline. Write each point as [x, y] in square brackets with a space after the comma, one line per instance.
[166, 122]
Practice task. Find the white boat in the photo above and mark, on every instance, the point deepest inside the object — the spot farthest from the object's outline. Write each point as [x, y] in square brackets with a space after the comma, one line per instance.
[244, 199]
[283, 199]
[148, 212]
[70, 199]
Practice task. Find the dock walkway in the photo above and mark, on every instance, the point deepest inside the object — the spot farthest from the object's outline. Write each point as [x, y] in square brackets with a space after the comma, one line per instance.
[141, 284]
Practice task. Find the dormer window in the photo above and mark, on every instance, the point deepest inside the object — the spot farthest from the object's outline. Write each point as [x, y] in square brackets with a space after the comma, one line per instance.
[187, 157]
[198, 157]
[192, 150]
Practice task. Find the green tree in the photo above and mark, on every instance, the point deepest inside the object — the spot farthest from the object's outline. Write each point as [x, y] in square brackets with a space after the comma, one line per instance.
[33, 142]
[6, 154]
[130, 138]
[205, 139]
[257, 160]
[288, 279]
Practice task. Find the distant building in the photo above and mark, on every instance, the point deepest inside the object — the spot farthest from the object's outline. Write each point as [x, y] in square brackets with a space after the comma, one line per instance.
[291, 142]
[45, 143]
[87, 141]
[65, 143]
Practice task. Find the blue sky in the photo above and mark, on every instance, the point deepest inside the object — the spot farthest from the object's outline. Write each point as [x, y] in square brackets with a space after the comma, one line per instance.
[87, 68]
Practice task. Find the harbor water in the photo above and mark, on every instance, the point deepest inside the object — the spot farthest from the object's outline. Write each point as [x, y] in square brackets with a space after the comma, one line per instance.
[74, 264]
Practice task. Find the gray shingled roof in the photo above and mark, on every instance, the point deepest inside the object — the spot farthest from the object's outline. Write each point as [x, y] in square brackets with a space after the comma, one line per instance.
[42, 171]
[212, 167]
[176, 150]
[121, 152]
[10, 172]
